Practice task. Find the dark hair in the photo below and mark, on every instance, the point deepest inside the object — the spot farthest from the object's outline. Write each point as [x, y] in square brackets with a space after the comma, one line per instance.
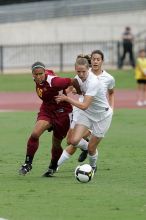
[86, 56]
[98, 52]
[37, 65]
[128, 28]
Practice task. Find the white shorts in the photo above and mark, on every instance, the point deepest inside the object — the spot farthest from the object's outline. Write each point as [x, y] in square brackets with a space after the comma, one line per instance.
[75, 115]
[76, 112]
[98, 128]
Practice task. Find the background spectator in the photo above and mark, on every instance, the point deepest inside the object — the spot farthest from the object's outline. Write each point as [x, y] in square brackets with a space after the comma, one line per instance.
[140, 75]
[127, 39]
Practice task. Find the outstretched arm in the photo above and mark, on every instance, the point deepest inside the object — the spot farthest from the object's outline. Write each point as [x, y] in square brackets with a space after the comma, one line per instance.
[64, 83]
[81, 105]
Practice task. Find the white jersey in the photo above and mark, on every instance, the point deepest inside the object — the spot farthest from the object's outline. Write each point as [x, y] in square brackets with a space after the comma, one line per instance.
[107, 79]
[92, 86]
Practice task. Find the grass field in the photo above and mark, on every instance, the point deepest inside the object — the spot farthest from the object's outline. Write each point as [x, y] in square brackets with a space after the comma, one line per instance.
[117, 192]
[24, 82]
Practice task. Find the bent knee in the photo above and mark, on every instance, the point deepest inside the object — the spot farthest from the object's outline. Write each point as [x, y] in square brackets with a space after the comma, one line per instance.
[74, 142]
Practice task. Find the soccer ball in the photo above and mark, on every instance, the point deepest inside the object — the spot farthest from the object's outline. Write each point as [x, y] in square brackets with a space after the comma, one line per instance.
[84, 173]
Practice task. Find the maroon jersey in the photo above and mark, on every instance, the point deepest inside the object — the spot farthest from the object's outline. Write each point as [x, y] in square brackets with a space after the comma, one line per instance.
[51, 87]
[57, 114]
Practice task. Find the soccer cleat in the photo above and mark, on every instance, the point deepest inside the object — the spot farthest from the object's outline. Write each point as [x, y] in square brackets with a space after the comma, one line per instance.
[83, 156]
[51, 170]
[49, 173]
[94, 169]
[25, 169]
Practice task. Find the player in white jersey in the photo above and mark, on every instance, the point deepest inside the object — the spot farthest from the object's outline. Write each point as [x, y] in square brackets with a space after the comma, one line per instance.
[83, 144]
[97, 58]
[95, 112]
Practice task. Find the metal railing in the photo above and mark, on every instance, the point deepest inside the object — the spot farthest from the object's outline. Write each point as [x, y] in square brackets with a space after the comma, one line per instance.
[60, 57]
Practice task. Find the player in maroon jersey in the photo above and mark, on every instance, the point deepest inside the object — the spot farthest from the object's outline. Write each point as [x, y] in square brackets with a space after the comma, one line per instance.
[52, 116]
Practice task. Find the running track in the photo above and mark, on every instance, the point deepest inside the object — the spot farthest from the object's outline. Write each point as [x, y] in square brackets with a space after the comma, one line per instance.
[28, 101]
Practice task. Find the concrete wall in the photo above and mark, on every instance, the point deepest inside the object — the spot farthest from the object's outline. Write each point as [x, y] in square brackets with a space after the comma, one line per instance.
[72, 29]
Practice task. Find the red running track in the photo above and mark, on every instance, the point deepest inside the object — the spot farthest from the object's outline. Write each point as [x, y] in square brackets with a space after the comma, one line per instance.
[29, 101]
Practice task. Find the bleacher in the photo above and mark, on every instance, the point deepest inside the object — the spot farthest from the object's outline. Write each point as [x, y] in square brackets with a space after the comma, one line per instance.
[63, 8]
[60, 54]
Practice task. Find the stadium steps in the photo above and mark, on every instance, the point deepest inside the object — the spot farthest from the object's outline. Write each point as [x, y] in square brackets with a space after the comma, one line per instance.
[65, 8]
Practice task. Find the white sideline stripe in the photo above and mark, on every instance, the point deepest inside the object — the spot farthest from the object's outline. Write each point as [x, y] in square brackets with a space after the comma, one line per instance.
[3, 219]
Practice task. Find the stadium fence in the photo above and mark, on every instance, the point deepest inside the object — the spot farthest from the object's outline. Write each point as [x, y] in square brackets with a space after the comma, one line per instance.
[60, 57]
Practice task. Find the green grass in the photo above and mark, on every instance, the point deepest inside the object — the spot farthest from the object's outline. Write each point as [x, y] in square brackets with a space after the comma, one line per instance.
[24, 82]
[117, 191]
[124, 78]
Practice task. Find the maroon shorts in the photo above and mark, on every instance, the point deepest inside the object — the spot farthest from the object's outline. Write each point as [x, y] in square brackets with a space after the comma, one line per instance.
[60, 122]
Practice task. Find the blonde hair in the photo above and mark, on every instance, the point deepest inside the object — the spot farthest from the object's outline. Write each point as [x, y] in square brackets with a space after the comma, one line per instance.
[82, 61]
[87, 56]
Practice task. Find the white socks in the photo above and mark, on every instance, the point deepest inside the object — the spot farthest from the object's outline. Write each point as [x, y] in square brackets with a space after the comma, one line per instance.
[93, 159]
[64, 156]
[83, 144]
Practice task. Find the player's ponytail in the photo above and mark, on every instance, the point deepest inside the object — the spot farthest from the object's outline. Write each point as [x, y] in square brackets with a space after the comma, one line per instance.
[86, 56]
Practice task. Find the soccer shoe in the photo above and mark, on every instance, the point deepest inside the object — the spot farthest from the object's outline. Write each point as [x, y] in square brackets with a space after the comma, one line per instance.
[83, 156]
[51, 170]
[94, 169]
[25, 169]
[49, 173]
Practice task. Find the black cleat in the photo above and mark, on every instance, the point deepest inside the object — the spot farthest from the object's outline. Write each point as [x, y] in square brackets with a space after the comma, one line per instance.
[83, 156]
[51, 169]
[49, 173]
[94, 169]
[25, 169]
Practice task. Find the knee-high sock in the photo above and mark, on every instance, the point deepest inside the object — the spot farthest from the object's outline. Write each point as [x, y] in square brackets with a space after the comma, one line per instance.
[56, 153]
[64, 156]
[32, 146]
[93, 159]
[83, 144]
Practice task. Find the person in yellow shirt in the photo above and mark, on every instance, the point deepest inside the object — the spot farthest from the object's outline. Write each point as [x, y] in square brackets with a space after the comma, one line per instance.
[140, 76]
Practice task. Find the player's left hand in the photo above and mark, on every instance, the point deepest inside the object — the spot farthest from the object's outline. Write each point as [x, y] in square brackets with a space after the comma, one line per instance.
[60, 98]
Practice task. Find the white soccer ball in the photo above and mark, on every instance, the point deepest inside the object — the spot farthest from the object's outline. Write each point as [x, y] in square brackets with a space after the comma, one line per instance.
[84, 173]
